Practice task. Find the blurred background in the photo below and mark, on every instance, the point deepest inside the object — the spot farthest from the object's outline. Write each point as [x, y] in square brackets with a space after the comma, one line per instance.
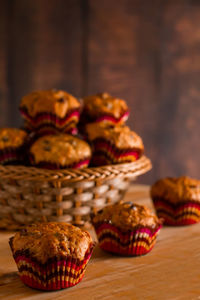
[144, 51]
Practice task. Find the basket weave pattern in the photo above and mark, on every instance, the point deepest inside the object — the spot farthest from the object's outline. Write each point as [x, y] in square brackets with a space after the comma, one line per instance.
[29, 194]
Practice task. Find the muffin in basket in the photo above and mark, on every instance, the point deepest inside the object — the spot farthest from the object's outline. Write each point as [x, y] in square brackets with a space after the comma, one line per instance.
[113, 145]
[103, 108]
[45, 111]
[60, 151]
[12, 143]
[177, 200]
[126, 229]
[51, 256]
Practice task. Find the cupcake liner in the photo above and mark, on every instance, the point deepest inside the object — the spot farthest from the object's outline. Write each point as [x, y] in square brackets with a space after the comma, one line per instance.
[108, 119]
[52, 166]
[104, 150]
[139, 241]
[11, 155]
[56, 274]
[184, 213]
[42, 119]
[51, 130]
[112, 120]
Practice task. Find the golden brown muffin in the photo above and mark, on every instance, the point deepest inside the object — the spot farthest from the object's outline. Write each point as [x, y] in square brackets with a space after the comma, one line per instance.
[51, 256]
[60, 239]
[126, 229]
[177, 200]
[12, 137]
[127, 216]
[12, 141]
[60, 151]
[113, 145]
[53, 101]
[177, 189]
[105, 108]
[50, 109]
[120, 136]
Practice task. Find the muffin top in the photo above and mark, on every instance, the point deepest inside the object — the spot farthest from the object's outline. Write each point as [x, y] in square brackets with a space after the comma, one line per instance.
[103, 104]
[176, 189]
[61, 149]
[127, 216]
[53, 239]
[52, 101]
[12, 137]
[121, 136]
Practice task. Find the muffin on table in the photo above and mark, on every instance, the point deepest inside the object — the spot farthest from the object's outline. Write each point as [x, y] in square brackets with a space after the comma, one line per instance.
[113, 145]
[51, 256]
[12, 143]
[45, 111]
[177, 200]
[126, 229]
[103, 108]
[60, 151]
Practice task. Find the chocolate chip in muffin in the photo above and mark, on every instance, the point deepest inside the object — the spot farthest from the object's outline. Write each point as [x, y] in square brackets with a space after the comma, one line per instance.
[23, 232]
[47, 148]
[5, 138]
[46, 142]
[61, 100]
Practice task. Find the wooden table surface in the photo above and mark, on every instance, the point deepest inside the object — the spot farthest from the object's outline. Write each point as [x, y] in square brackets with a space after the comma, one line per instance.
[170, 271]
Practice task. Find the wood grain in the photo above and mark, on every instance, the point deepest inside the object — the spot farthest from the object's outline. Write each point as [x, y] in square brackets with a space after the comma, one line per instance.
[169, 271]
[146, 52]
[43, 49]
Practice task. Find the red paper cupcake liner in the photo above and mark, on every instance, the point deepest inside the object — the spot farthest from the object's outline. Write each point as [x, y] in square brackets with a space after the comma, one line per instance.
[52, 166]
[11, 155]
[56, 274]
[140, 241]
[106, 152]
[51, 130]
[184, 213]
[104, 118]
[109, 119]
[44, 119]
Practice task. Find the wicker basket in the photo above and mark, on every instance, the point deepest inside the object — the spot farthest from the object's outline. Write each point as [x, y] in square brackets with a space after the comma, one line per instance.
[29, 194]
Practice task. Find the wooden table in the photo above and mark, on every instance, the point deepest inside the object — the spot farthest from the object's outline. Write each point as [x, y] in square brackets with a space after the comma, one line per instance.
[170, 271]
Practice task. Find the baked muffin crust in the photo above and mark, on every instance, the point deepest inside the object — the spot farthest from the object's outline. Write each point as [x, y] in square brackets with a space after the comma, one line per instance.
[103, 104]
[53, 239]
[176, 190]
[52, 101]
[121, 136]
[12, 137]
[62, 149]
[127, 216]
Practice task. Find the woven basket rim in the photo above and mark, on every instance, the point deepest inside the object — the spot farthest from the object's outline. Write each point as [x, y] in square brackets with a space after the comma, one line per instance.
[132, 169]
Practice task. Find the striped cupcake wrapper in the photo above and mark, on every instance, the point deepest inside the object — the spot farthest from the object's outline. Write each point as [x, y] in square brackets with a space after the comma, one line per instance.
[11, 155]
[46, 119]
[111, 120]
[108, 119]
[131, 243]
[51, 130]
[184, 213]
[56, 274]
[52, 166]
[106, 153]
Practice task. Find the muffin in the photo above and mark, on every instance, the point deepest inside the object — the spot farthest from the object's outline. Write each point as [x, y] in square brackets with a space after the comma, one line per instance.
[113, 145]
[12, 143]
[126, 229]
[60, 151]
[51, 256]
[103, 108]
[177, 200]
[50, 109]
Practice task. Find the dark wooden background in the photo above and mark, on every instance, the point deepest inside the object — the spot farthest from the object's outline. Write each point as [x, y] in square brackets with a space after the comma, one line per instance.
[145, 51]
